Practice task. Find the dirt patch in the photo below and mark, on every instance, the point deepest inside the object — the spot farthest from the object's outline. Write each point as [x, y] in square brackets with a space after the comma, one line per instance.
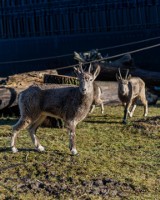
[104, 187]
[150, 124]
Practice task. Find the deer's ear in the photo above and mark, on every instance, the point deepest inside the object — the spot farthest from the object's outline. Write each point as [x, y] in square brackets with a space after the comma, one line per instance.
[77, 71]
[129, 77]
[97, 71]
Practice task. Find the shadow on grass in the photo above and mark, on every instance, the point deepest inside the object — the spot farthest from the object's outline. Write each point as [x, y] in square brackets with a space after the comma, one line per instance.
[8, 149]
[99, 116]
[52, 152]
[102, 122]
[4, 149]
[10, 122]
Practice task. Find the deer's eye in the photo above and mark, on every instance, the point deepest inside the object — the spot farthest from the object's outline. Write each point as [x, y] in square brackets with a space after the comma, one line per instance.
[91, 79]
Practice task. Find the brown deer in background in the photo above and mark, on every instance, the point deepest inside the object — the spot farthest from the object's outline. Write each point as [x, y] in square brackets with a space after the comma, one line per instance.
[131, 89]
[97, 100]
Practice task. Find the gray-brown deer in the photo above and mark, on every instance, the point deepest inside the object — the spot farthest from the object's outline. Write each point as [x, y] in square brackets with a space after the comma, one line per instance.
[71, 104]
[130, 89]
[97, 100]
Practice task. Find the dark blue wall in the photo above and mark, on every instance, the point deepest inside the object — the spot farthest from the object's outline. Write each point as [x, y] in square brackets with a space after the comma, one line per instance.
[43, 47]
[31, 29]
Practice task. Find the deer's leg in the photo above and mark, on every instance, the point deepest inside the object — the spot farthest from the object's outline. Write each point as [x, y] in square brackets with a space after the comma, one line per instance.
[72, 143]
[133, 107]
[20, 125]
[102, 108]
[146, 108]
[92, 108]
[124, 105]
[126, 111]
[32, 131]
[145, 103]
[132, 110]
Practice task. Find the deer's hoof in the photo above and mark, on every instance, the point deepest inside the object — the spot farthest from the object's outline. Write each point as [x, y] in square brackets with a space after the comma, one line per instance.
[124, 122]
[14, 150]
[40, 148]
[74, 152]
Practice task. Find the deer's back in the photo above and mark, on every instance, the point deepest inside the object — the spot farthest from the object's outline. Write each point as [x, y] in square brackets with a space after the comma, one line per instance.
[30, 102]
[137, 85]
[61, 102]
[66, 103]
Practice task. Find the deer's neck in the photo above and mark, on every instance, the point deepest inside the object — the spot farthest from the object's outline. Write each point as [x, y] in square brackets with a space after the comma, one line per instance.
[86, 99]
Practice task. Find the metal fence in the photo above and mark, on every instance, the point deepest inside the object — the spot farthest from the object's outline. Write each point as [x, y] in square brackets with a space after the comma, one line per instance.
[33, 18]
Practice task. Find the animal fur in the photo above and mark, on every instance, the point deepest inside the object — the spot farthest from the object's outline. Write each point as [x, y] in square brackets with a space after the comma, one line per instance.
[130, 90]
[71, 104]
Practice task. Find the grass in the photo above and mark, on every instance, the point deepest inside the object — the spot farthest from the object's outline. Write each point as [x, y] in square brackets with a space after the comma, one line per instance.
[115, 161]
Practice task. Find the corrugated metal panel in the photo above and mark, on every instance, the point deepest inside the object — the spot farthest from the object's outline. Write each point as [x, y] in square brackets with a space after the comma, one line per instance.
[27, 18]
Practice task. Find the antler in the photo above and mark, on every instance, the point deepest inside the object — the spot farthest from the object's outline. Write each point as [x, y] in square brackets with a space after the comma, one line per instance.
[80, 67]
[119, 71]
[127, 73]
[89, 69]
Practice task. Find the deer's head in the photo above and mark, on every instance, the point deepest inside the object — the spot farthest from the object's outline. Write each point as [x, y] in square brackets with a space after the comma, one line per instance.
[86, 78]
[123, 82]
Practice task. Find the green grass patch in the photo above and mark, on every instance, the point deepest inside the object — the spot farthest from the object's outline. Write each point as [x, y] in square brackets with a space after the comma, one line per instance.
[115, 161]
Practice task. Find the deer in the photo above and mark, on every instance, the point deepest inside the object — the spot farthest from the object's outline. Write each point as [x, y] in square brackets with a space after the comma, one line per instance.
[97, 98]
[130, 90]
[71, 104]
